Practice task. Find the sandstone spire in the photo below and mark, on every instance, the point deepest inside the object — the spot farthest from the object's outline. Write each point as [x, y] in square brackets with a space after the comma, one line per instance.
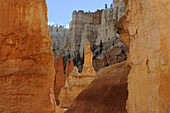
[26, 58]
[59, 76]
[58, 65]
[69, 67]
[88, 67]
[78, 81]
[71, 63]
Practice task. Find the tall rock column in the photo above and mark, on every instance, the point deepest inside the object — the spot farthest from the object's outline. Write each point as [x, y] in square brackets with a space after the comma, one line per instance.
[88, 56]
[145, 29]
[26, 58]
[69, 67]
[76, 81]
[59, 76]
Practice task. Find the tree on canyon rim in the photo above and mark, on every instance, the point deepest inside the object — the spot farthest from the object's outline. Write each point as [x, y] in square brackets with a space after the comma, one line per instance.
[113, 43]
[76, 59]
[82, 59]
[64, 62]
[101, 46]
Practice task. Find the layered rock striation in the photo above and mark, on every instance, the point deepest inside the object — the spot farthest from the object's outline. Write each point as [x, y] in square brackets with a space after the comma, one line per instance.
[145, 30]
[83, 26]
[94, 27]
[26, 58]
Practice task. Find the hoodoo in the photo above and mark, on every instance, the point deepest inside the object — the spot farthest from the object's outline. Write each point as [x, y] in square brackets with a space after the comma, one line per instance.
[76, 81]
[69, 67]
[26, 58]
[88, 67]
[59, 76]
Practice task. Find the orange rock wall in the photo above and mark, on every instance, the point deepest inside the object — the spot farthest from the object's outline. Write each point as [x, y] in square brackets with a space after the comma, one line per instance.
[26, 58]
[145, 29]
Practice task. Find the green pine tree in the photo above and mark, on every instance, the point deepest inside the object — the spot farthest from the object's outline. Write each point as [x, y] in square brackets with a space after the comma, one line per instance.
[101, 46]
[75, 59]
[78, 58]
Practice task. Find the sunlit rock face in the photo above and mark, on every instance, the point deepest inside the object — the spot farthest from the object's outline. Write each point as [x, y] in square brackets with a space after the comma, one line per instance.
[26, 58]
[58, 110]
[76, 81]
[107, 32]
[145, 29]
[79, 21]
[83, 27]
[94, 27]
[88, 55]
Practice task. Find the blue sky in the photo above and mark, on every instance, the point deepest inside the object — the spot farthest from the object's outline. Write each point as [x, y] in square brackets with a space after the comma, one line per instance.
[60, 11]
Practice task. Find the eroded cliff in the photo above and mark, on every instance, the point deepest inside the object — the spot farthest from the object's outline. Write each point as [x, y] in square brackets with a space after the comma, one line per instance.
[58, 35]
[26, 58]
[94, 27]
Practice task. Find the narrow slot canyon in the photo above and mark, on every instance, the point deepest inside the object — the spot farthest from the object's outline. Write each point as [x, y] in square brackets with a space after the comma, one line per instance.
[91, 57]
